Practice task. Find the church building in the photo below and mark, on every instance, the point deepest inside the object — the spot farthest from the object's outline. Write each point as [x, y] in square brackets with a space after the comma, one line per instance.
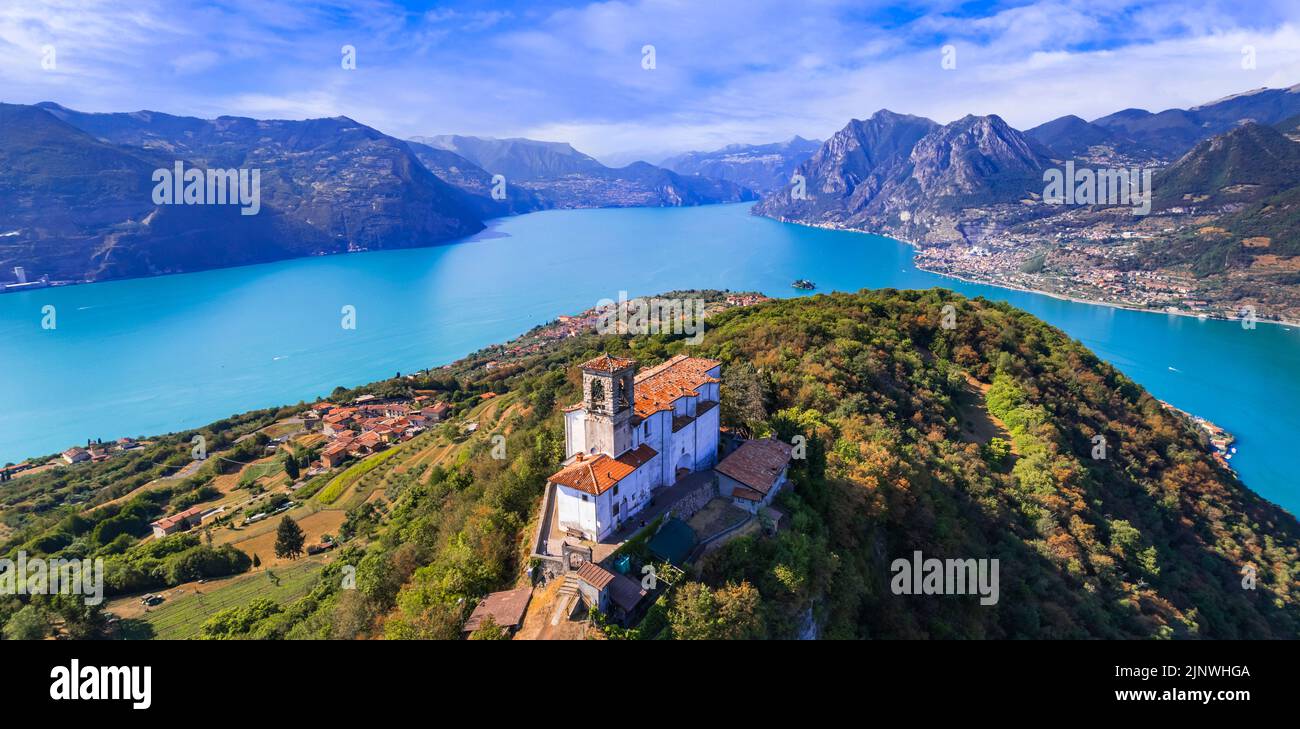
[633, 434]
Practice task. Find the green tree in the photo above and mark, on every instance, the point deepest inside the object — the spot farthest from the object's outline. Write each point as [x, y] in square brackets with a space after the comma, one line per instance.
[742, 395]
[27, 624]
[733, 612]
[288, 539]
[291, 468]
[997, 452]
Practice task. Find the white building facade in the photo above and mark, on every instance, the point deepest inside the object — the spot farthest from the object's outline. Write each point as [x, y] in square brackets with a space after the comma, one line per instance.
[632, 435]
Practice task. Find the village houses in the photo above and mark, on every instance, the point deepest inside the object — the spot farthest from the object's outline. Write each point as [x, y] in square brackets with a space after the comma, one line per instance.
[369, 424]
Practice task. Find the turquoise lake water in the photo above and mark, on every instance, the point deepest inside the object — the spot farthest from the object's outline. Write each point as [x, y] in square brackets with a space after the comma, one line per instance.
[157, 355]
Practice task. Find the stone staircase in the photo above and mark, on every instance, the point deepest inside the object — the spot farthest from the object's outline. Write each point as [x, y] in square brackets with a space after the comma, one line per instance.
[566, 599]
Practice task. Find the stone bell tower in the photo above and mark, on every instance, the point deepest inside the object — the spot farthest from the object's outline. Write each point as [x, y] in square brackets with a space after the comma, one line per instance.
[607, 397]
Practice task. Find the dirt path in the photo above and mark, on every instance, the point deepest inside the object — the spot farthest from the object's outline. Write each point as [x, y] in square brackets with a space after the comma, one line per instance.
[978, 425]
[537, 623]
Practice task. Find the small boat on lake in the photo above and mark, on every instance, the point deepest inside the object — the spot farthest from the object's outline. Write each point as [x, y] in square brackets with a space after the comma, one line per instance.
[804, 284]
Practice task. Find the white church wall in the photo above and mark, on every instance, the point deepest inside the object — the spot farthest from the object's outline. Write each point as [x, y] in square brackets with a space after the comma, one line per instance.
[574, 512]
[707, 436]
[575, 433]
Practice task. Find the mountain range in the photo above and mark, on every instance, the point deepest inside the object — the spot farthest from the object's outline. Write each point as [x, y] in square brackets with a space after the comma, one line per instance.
[80, 189]
[1173, 132]
[762, 168]
[80, 207]
[896, 170]
[556, 175]
[1248, 163]
[1249, 178]
[909, 176]
[1071, 137]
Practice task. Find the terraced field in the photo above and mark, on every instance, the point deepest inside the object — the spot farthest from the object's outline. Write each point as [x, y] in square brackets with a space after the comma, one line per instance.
[353, 474]
[261, 469]
[189, 606]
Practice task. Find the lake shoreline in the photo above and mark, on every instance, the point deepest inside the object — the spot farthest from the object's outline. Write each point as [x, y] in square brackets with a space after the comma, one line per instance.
[910, 243]
[1025, 289]
[1090, 302]
[167, 353]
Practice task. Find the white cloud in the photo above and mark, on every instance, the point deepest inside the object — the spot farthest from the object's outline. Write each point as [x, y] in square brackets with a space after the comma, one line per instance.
[195, 62]
[727, 71]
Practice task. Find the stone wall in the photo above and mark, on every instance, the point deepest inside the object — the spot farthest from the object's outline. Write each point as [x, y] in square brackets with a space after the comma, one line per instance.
[692, 502]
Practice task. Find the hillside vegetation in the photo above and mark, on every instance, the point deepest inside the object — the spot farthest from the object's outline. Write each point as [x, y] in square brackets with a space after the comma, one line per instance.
[1149, 541]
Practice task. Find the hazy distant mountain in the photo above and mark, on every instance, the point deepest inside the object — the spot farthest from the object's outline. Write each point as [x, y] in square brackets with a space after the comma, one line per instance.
[79, 204]
[516, 158]
[476, 182]
[1175, 131]
[1290, 127]
[872, 172]
[762, 168]
[1069, 137]
[560, 176]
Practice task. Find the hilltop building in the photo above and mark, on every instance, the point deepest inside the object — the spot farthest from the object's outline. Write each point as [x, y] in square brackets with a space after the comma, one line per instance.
[753, 475]
[632, 434]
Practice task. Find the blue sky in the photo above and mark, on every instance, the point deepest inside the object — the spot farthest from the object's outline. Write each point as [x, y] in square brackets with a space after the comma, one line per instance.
[751, 71]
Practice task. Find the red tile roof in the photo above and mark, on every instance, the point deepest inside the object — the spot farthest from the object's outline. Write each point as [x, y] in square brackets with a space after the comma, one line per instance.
[167, 522]
[597, 474]
[606, 363]
[595, 575]
[657, 387]
[757, 463]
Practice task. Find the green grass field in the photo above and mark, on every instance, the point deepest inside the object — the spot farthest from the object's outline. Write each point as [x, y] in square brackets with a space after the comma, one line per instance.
[258, 470]
[182, 617]
[331, 493]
